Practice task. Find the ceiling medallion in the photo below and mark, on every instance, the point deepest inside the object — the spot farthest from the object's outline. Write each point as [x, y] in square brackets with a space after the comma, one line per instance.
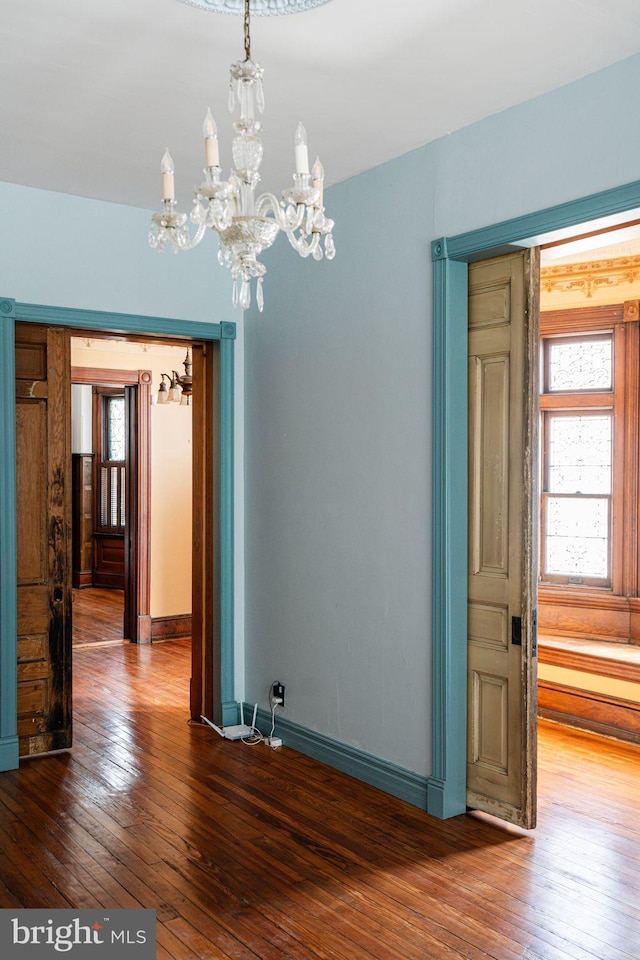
[260, 8]
[246, 224]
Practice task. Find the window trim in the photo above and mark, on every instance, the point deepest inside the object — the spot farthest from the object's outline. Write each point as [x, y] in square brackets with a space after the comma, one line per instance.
[624, 400]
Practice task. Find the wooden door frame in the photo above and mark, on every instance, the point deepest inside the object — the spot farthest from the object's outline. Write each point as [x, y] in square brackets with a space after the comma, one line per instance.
[446, 788]
[219, 528]
[138, 528]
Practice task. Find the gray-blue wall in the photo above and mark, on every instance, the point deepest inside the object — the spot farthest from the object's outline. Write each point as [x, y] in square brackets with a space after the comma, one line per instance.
[337, 407]
[68, 251]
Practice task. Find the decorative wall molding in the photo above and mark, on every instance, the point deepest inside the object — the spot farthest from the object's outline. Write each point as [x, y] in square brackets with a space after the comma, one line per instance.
[588, 277]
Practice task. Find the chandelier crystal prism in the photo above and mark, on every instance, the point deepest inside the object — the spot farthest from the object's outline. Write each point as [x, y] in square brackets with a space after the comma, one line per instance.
[246, 225]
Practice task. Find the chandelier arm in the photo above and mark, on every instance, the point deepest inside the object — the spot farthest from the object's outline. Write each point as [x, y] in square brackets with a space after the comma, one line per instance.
[183, 241]
[268, 203]
[301, 245]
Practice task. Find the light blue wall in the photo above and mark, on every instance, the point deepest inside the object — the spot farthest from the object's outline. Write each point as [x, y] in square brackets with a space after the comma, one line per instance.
[338, 421]
[72, 252]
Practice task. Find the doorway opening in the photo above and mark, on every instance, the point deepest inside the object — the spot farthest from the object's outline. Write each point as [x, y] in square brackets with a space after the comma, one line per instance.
[446, 788]
[39, 419]
[589, 568]
[132, 468]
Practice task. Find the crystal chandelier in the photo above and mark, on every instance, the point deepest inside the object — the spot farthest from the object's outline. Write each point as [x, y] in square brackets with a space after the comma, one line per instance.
[246, 225]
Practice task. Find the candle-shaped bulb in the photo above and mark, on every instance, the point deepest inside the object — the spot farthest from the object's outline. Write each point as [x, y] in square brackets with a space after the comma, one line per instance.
[301, 151]
[210, 133]
[166, 168]
[317, 178]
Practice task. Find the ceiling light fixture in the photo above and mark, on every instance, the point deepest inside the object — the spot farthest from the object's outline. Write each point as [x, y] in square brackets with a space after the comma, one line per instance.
[246, 225]
[180, 387]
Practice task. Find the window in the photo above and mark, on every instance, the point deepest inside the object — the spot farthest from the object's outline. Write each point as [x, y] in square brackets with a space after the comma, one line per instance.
[110, 464]
[114, 428]
[589, 426]
[576, 502]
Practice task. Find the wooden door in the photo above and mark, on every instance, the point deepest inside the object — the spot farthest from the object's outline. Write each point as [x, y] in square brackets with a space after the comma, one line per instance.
[206, 668]
[110, 483]
[43, 462]
[503, 351]
[131, 572]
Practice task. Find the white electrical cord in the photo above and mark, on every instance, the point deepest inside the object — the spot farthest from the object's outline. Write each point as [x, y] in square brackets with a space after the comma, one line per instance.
[275, 702]
[254, 737]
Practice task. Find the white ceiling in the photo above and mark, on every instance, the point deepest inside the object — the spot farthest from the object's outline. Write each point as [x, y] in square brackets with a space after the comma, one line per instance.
[92, 92]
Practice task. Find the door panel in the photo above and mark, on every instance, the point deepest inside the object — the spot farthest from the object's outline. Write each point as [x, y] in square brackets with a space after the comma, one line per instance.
[43, 465]
[502, 505]
[206, 604]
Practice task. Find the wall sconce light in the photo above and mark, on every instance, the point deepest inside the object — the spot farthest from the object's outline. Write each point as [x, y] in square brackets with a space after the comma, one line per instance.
[179, 388]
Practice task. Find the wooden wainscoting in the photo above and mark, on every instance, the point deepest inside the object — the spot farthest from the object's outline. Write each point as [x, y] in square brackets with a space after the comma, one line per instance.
[598, 711]
[171, 628]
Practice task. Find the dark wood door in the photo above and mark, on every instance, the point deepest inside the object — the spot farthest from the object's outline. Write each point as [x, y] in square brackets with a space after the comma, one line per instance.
[43, 461]
[132, 508]
[205, 643]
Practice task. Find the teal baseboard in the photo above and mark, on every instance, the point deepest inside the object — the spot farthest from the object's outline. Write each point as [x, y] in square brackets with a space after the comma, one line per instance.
[443, 801]
[230, 713]
[378, 773]
[9, 753]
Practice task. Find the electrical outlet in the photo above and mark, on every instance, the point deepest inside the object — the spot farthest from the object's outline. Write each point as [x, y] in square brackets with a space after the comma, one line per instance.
[277, 690]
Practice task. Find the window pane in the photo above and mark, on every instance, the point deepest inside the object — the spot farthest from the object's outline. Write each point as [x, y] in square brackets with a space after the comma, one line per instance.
[586, 365]
[113, 497]
[115, 428]
[577, 541]
[579, 454]
[104, 497]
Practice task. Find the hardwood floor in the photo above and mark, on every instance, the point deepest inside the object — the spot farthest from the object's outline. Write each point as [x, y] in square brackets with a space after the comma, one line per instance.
[248, 853]
[98, 615]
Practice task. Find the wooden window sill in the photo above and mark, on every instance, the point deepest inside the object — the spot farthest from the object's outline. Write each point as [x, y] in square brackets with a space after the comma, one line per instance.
[620, 661]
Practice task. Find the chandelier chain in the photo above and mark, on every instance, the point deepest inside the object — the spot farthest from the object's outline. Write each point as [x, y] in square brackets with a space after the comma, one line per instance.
[247, 35]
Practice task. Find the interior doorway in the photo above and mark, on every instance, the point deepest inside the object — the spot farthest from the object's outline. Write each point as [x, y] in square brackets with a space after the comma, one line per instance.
[111, 457]
[447, 791]
[132, 490]
[589, 576]
[43, 543]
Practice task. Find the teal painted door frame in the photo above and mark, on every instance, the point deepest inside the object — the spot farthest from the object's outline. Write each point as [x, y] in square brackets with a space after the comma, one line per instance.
[446, 791]
[10, 312]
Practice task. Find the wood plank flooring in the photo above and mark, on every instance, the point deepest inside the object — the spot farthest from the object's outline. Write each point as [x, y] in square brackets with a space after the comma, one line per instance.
[248, 853]
[98, 615]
